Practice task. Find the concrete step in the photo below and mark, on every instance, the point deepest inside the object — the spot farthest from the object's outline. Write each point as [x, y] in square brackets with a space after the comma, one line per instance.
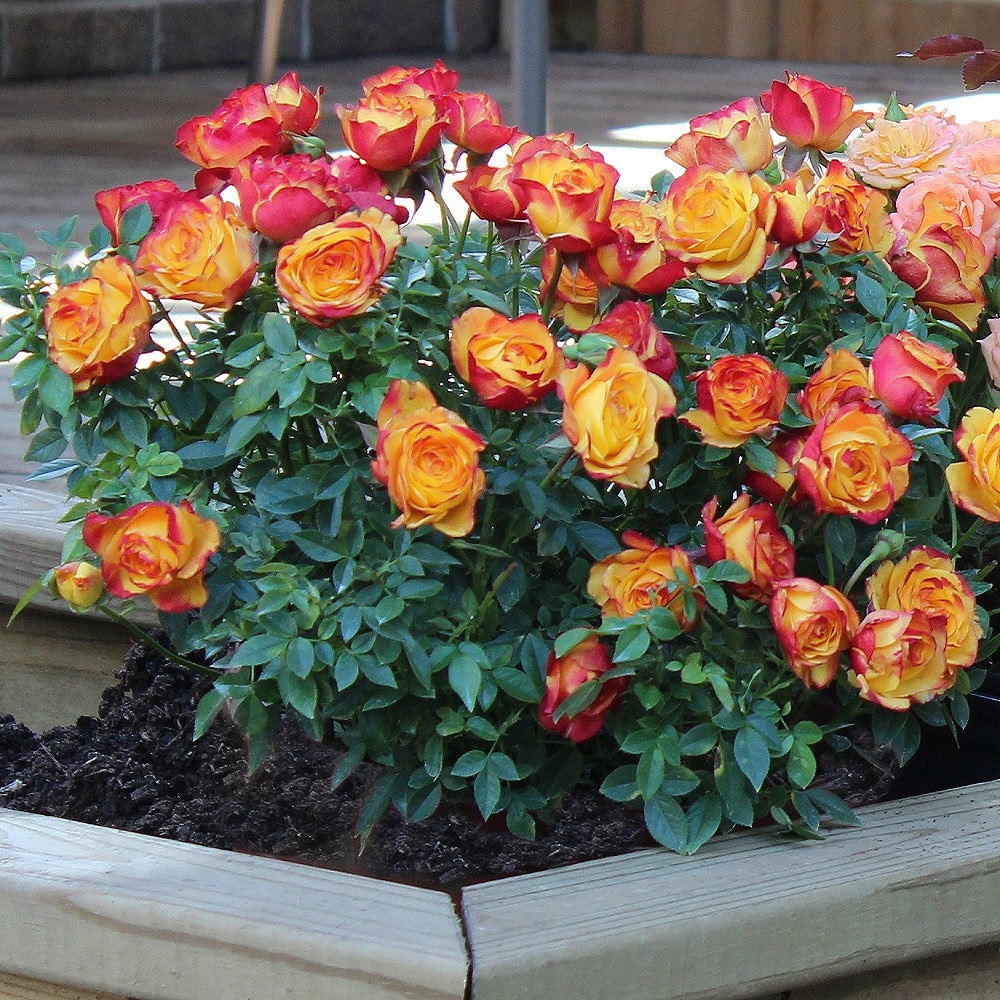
[43, 39]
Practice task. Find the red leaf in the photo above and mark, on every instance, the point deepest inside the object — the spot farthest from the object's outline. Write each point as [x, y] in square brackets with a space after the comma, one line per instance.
[947, 45]
[983, 67]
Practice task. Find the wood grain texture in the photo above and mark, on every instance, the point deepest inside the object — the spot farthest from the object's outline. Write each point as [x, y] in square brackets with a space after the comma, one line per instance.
[54, 667]
[19, 988]
[751, 914]
[133, 915]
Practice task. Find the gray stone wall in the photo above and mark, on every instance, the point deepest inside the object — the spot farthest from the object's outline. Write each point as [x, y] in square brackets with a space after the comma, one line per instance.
[40, 39]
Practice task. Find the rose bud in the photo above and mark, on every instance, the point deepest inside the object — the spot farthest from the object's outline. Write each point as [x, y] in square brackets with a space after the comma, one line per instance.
[474, 122]
[842, 378]
[631, 325]
[78, 584]
[586, 661]
[911, 376]
[736, 137]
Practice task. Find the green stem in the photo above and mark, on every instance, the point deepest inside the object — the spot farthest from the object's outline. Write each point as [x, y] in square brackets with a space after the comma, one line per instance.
[148, 640]
[550, 294]
[556, 469]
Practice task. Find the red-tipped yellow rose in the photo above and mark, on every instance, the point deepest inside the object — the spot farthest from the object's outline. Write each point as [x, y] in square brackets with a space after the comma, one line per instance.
[811, 114]
[854, 462]
[842, 378]
[749, 534]
[926, 580]
[511, 363]
[855, 216]
[97, 327]
[200, 250]
[898, 659]
[646, 575]
[335, 269]
[736, 137]
[738, 396]
[587, 661]
[610, 416]
[815, 624]
[113, 203]
[974, 482]
[79, 584]
[718, 223]
[911, 376]
[428, 459]
[631, 324]
[157, 550]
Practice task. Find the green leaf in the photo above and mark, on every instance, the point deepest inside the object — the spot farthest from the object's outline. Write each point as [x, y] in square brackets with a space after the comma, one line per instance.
[871, 295]
[469, 764]
[752, 755]
[517, 684]
[666, 822]
[732, 787]
[208, 708]
[703, 821]
[46, 446]
[135, 223]
[631, 644]
[486, 790]
[258, 388]
[583, 697]
[299, 692]
[278, 334]
[301, 657]
[833, 806]
[56, 389]
[801, 765]
[699, 739]
[620, 785]
[258, 650]
[465, 677]
[568, 641]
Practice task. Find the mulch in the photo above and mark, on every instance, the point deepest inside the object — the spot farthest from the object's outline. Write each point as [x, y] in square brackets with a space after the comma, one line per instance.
[137, 767]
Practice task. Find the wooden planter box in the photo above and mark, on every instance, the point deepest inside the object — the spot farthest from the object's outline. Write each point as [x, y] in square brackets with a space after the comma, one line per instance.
[907, 906]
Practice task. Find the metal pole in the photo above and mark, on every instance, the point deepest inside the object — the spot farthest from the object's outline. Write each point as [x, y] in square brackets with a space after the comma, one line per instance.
[529, 52]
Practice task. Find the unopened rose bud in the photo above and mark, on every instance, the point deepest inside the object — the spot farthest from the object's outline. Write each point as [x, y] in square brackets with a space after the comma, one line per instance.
[79, 584]
[312, 145]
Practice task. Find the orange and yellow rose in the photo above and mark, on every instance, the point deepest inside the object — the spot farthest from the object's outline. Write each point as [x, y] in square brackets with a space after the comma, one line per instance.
[393, 126]
[631, 324]
[855, 463]
[718, 223]
[646, 575]
[200, 250]
[157, 550]
[974, 482]
[427, 457]
[926, 580]
[842, 378]
[587, 661]
[636, 258]
[815, 625]
[335, 269]
[511, 363]
[738, 396]
[566, 193]
[97, 327]
[749, 534]
[855, 216]
[797, 218]
[610, 416]
[898, 659]
[474, 122]
[113, 203]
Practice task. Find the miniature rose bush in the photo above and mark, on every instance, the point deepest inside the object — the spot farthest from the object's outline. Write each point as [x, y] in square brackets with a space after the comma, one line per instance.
[653, 494]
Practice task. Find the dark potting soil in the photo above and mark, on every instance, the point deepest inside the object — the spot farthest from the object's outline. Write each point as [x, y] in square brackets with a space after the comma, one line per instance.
[136, 767]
